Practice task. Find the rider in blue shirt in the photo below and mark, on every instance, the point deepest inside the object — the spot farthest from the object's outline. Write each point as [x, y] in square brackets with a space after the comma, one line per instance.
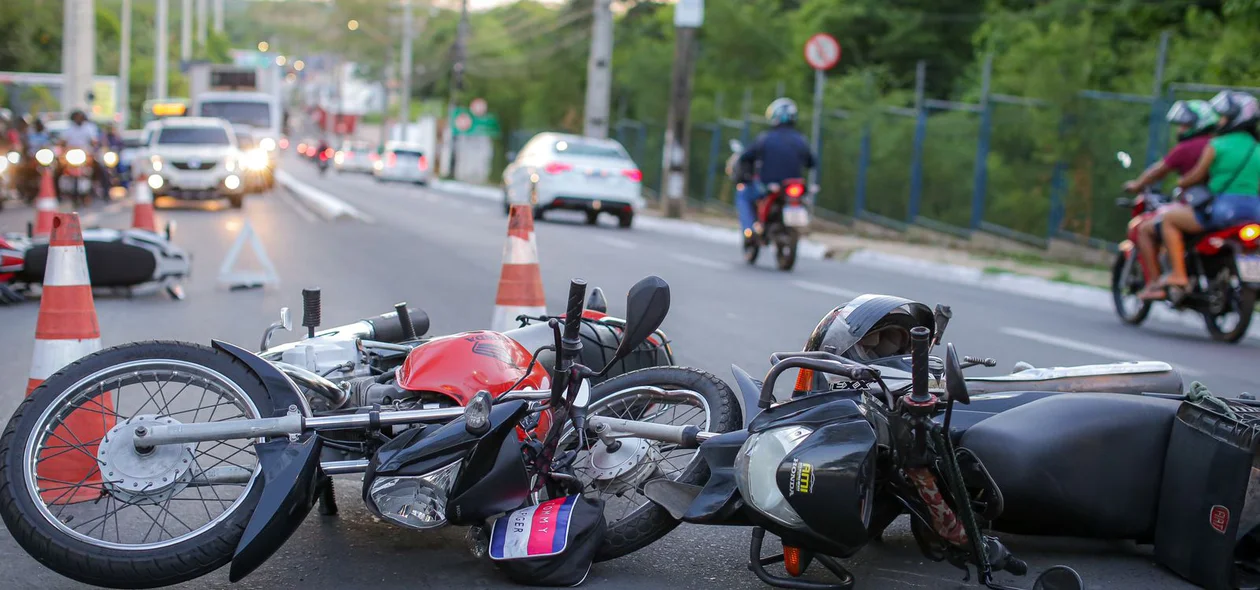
[778, 154]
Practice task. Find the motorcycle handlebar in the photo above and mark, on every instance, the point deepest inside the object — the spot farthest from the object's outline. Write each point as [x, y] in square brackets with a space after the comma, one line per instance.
[920, 343]
[822, 365]
[573, 314]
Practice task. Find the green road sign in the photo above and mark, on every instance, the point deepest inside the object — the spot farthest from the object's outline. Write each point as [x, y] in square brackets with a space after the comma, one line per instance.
[465, 123]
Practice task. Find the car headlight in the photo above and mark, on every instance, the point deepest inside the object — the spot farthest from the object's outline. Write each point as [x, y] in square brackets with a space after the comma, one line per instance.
[756, 470]
[411, 501]
[156, 181]
[76, 157]
[230, 164]
[111, 159]
[256, 160]
[15, 157]
[156, 163]
[45, 157]
[232, 182]
[267, 143]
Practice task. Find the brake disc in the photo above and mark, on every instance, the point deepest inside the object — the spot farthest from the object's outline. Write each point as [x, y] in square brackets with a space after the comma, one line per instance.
[151, 477]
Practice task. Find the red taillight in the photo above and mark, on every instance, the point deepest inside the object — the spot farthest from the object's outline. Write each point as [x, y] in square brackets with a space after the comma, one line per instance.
[284, 143]
[374, 156]
[393, 158]
[1249, 232]
[633, 174]
[795, 190]
[423, 163]
[557, 167]
[328, 152]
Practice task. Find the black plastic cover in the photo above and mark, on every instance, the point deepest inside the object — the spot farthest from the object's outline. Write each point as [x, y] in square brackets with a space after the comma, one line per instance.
[829, 479]
[290, 478]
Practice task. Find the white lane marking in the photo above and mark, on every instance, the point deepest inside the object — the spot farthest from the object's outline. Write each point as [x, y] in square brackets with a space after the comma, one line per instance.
[616, 242]
[1103, 351]
[301, 209]
[826, 289]
[698, 261]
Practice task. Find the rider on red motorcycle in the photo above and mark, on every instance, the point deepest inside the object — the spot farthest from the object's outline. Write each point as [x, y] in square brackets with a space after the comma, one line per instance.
[1195, 121]
[1230, 166]
[778, 154]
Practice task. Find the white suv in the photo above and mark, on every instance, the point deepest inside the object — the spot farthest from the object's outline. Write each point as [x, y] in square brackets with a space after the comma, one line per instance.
[194, 158]
[557, 171]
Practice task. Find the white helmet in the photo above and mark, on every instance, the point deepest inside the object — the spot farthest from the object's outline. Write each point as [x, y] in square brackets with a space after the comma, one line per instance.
[781, 111]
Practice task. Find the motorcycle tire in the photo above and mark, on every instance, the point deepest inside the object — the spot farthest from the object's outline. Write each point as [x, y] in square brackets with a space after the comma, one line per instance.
[751, 250]
[237, 201]
[785, 254]
[592, 217]
[650, 522]
[1246, 306]
[1119, 290]
[92, 563]
[625, 220]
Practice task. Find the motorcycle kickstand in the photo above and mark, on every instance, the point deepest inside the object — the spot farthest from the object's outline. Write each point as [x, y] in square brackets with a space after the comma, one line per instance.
[327, 498]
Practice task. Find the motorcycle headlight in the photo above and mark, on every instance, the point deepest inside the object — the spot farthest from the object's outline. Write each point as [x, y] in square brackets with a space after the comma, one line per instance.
[76, 157]
[156, 163]
[267, 144]
[111, 159]
[755, 470]
[417, 502]
[45, 157]
[15, 157]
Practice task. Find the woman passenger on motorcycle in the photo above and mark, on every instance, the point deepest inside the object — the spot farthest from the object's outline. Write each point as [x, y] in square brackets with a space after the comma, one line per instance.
[1231, 167]
[1195, 121]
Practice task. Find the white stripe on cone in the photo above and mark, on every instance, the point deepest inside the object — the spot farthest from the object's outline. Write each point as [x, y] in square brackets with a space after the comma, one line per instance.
[52, 355]
[518, 251]
[66, 267]
[46, 204]
[144, 194]
[505, 316]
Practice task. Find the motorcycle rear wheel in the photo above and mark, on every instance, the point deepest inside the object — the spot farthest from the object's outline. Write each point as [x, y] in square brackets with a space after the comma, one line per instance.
[37, 519]
[785, 252]
[1244, 306]
[1124, 285]
[633, 526]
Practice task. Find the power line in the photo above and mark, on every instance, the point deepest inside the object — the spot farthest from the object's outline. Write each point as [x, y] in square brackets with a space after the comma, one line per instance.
[510, 40]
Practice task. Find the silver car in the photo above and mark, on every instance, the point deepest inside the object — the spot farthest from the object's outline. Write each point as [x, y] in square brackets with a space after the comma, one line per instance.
[402, 162]
[355, 156]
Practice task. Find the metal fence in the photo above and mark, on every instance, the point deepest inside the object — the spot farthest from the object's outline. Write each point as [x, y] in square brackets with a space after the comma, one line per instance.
[1011, 166]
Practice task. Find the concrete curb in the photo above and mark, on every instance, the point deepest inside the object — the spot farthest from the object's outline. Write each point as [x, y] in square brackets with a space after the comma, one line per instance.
[323, 204]
[807, 249]
[1033, 287]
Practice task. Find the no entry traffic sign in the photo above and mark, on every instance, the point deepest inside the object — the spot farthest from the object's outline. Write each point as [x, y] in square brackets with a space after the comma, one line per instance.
[822, 51]
[478, 107]
[463, 122]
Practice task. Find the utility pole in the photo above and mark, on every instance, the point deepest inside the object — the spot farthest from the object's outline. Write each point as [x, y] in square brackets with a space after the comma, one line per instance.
[160, 86]
[404, 100]
[218, 16]
[186, 30]
[599, 71]
[78, 54]
[688, 16]
[124, 66]
[202, 17]
[457, 84]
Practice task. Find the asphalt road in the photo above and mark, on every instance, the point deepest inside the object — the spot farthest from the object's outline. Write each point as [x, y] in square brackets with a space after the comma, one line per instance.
[442, 252]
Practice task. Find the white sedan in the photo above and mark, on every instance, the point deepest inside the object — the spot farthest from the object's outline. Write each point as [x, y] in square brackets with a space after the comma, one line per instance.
[558, 171]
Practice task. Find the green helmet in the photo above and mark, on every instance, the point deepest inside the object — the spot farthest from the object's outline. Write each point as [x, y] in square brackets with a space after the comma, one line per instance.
[1197, 114]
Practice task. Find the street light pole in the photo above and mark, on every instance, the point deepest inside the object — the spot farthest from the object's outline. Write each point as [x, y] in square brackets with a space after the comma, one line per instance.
[404, 106]
[599, 71]
[160, 86]
[202, 17]
[78, 55]
[457, 84]
[185, 30]
[124, 66]
[688, 16]
[218, 16]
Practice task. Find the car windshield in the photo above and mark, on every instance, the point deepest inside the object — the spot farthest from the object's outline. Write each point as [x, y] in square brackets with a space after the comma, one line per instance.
[193, 136]
[410, 153]
[593, 150]
[254, 114]
[133, 142]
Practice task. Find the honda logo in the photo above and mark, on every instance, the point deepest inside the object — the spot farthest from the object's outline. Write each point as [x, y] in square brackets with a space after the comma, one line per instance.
[194, 163]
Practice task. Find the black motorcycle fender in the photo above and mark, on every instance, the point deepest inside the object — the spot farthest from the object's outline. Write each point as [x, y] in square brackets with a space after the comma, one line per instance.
[290, 478]
[281, 392]
[719, 502]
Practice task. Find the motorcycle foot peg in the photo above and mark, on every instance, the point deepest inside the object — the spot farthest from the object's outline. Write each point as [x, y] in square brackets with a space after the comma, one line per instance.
[311, 310]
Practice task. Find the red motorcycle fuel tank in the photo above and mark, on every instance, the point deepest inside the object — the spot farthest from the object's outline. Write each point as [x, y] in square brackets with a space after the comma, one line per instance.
[460, 365]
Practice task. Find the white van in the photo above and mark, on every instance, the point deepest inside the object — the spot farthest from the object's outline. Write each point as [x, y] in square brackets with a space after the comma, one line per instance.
[258, 110]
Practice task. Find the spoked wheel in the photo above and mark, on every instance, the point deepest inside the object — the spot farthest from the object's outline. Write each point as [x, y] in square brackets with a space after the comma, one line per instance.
[78, 495]
[673, 396]
[1126, 283]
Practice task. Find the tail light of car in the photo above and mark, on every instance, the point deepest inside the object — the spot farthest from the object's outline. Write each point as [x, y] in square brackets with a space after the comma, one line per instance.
[284, 143]
[557, 167]
[422, 163]
[392, 159]
[634, 174]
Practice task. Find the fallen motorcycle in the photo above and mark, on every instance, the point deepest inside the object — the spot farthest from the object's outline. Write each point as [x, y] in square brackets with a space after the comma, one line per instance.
[863, 442]
[152, 463]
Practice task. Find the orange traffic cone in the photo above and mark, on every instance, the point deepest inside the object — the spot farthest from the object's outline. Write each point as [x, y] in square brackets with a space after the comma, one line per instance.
[45, 204]
[66, 331]
[520, 284]
[142, 209]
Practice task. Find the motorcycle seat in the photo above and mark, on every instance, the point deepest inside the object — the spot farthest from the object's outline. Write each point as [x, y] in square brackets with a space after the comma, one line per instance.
[1080, 465]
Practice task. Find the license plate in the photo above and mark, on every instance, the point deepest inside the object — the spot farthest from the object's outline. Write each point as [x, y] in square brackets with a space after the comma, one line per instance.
[1248, 268]
[795, 217]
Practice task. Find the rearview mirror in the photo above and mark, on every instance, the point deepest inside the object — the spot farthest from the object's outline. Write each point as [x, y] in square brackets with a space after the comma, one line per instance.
[941, 315]
[597, 301]
[647, 304]
[285, 323]
[1059, 577]
[955, 382]
[1125, 159]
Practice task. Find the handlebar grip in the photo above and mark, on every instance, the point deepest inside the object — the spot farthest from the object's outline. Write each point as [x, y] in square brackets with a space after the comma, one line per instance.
[573, 312]
[387, 327]
[920, 341]
[404, 321]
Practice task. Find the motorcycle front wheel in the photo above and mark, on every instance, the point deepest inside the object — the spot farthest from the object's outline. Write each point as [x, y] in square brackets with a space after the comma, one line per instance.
[1126, 283]
[77, 495]
[674, 396]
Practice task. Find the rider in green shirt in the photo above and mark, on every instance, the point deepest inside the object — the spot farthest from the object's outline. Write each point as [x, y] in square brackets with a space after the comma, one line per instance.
[1232, 163]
